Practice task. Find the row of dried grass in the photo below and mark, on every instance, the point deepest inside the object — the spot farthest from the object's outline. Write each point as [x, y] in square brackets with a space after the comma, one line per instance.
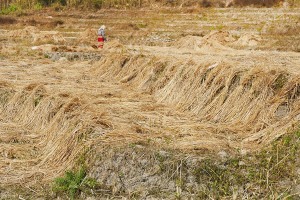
[239, 101]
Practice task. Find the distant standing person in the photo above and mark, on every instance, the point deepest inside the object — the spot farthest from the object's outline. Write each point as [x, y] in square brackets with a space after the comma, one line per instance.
[101, 36]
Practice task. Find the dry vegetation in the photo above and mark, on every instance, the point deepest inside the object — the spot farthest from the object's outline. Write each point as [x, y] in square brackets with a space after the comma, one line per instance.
[180, 103]
[9, 6]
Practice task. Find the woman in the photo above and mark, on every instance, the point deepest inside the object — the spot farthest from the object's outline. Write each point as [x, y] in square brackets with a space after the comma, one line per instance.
[101, 36]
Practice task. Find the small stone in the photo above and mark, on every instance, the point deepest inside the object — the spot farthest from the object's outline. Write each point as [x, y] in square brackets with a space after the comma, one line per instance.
[163, 153]
[296, 190]
[241, 163]
[282, 111]
[190, 162]
[143, 162]
[55, 57]
[223, 154]
[63, 59]
[243, 152]
[90, 198]
[286, 4]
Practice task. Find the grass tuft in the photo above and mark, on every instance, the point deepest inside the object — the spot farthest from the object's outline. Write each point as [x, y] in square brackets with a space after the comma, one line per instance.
[10, 9]
[74, 182]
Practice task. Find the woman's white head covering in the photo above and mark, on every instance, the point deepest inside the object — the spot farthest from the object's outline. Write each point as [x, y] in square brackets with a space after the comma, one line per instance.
[102, 27]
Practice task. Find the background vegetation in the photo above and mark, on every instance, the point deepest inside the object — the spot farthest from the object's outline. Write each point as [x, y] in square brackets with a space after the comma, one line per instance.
[8, 6]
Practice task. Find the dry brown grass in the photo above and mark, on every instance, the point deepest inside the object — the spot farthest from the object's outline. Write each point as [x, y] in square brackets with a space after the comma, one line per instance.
[199, 94]
[204, 105]
[237, 101]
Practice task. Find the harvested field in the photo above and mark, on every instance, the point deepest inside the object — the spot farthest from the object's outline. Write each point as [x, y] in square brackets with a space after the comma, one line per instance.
[215, 83]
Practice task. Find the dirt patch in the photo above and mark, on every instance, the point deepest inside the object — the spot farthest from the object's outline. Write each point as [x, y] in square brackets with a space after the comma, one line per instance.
[7, 20]
[45, 22]
[267, 3]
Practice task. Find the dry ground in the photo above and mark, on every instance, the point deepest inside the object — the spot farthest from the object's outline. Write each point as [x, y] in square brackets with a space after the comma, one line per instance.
[212, 81]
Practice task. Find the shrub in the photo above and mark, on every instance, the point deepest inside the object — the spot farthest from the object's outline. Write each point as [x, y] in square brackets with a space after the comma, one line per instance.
[10, 9]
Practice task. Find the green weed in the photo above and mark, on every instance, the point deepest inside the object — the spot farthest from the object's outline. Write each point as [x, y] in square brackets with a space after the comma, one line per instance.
[72, 183]
[10, 9]
[38, 6]
[217, 28]
[142, 25]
